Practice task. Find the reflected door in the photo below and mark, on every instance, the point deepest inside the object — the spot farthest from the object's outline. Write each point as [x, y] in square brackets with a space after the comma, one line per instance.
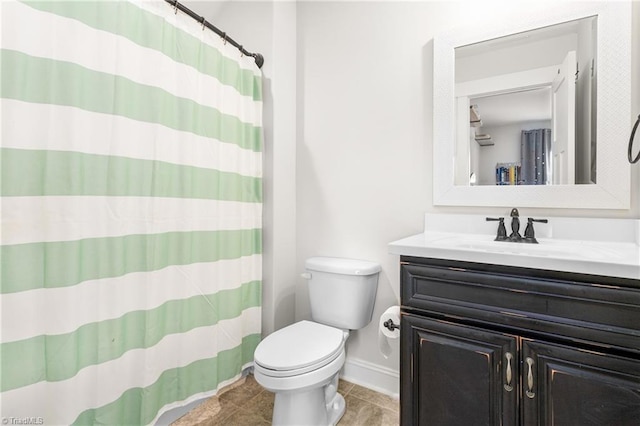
[563, 122]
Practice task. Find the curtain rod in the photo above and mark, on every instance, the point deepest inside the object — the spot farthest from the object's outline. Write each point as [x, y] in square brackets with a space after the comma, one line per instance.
[201, 19]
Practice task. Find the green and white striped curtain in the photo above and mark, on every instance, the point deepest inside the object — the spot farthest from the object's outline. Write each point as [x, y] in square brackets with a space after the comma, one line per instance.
[131, 211]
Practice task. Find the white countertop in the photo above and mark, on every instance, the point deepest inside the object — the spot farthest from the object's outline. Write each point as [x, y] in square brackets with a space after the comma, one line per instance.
[618, 256]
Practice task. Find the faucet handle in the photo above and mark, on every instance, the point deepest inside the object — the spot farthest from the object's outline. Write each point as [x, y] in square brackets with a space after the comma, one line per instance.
[529, 232]
[538, 220]
[502, 231]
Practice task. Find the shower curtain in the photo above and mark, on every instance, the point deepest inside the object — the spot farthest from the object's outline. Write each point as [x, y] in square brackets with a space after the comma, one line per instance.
[131, 211]
[535, 157]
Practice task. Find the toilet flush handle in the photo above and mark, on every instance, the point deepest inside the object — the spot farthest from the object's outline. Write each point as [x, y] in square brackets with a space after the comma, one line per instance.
[306, 275]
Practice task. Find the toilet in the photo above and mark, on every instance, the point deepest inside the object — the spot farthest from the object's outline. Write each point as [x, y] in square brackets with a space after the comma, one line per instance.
[301, 363]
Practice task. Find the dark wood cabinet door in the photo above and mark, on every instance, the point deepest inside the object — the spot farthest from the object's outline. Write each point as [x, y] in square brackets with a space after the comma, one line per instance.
[573, 387]
[453, 375]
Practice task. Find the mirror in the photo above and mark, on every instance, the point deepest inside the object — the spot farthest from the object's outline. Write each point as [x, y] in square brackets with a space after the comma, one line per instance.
[525, 104]
[512, 126]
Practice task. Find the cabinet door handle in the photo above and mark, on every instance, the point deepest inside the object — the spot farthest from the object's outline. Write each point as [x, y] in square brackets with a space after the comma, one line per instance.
[508, 372]
[529, 391]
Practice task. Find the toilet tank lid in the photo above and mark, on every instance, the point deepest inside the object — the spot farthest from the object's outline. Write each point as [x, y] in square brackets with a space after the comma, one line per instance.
[337, 265]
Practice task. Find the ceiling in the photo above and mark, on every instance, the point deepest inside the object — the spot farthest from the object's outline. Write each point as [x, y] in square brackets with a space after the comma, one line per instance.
[509, 108]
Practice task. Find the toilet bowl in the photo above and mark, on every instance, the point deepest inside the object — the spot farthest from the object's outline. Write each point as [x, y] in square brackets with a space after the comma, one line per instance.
[301, 363]
[305, 377]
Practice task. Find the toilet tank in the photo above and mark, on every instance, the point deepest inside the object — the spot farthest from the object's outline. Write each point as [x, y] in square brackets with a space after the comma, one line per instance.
[342, 292]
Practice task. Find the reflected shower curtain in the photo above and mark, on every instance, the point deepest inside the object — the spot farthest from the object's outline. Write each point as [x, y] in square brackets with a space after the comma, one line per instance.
[535, 157]
[131, 211]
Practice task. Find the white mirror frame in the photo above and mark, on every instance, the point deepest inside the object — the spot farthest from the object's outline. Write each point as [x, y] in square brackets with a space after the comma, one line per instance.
[612, 190]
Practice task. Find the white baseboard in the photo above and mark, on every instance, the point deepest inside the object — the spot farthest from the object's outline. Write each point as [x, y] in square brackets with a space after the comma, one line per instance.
[372, 376]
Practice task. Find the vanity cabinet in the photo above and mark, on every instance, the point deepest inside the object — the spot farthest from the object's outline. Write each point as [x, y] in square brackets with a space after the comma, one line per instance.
[495, 345]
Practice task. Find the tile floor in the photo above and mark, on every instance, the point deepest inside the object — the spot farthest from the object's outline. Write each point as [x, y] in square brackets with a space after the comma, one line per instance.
[245, 403]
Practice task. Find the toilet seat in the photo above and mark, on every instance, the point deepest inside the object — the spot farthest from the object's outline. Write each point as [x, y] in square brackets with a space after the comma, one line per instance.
[299, 348]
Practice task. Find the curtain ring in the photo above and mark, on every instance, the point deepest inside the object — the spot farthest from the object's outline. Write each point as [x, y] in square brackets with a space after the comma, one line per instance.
[224, 38]
[175, 7]
[241, 52]
[204, 21]
[633, 134]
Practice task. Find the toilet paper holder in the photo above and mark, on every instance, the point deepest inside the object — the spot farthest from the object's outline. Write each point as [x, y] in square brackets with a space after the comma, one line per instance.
[390, 325]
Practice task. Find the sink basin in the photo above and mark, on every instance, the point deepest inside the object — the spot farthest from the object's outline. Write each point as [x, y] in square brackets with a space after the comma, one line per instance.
[545, 248]
[604, 247]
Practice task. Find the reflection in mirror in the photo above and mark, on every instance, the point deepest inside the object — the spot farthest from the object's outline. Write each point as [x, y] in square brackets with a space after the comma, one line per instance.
[503, 149]
[526, 107]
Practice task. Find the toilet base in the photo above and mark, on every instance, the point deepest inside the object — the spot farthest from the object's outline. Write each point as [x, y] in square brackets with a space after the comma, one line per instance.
[309, 398]
[317, 406]
[336, 410]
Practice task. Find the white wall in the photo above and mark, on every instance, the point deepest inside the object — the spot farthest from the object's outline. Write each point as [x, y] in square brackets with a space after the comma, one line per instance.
[350, 171]
[363, 91]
